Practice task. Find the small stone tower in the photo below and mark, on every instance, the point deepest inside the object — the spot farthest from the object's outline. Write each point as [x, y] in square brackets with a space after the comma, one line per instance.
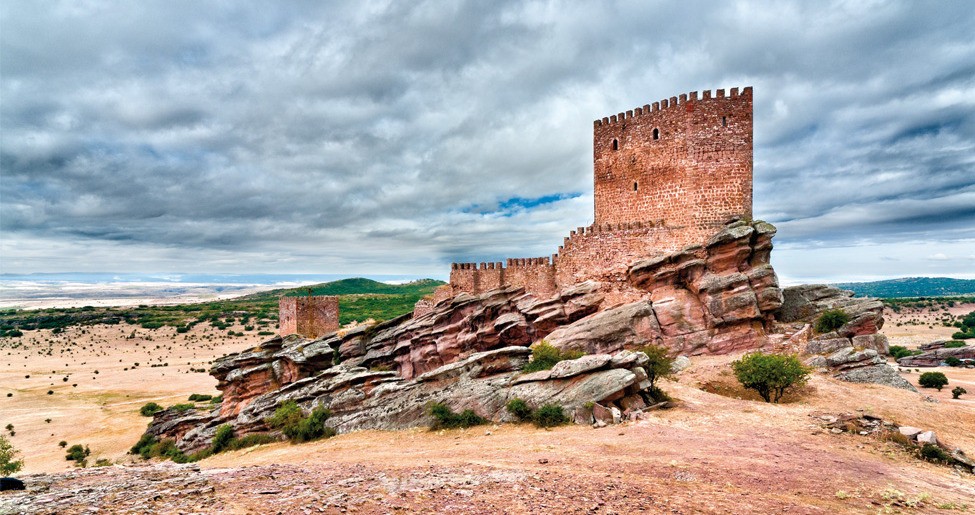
[309, 316]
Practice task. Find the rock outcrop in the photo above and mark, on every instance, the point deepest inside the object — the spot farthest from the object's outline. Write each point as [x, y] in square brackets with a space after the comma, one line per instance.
[855, 352]
[936, 357]
[710, 299]
[363, 399]
[451, 331]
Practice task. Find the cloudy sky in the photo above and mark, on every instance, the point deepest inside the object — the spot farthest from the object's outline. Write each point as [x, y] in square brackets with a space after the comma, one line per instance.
[396, 137]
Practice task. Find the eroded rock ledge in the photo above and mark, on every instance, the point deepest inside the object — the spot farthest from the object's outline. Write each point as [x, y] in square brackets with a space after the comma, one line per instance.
[360, 398]
[467, 351]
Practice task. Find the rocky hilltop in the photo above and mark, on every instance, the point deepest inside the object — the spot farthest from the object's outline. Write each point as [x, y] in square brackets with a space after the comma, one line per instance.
[468, 351]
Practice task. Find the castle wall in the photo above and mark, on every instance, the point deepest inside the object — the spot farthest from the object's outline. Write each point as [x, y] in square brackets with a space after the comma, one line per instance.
[535, 275]
[666, 176]
[310, 317]
[695, 171]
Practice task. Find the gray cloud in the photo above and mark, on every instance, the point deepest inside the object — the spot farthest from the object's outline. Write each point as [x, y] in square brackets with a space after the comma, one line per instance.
[376, 137]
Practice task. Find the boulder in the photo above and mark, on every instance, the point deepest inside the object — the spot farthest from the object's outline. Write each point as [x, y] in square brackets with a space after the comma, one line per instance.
[909, 431]
[880, 373]
[828, 346]
[582, 365]
[625, 327]
[877, 342]
[927, 437]
[602, 414]
[680, 364]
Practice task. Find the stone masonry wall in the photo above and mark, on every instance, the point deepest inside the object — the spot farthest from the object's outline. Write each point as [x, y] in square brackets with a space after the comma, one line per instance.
[311, 316]
[684, 161]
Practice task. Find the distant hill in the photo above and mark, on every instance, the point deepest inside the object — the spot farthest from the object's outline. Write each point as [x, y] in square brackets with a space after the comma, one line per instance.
[912, 287]
[359, 299]
[354, 286]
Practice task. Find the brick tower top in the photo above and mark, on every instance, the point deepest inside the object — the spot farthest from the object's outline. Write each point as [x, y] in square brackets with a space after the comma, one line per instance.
[682, 163]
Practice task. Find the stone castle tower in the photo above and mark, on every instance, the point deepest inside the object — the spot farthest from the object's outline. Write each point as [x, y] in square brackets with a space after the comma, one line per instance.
[666, 175]
[682, 162]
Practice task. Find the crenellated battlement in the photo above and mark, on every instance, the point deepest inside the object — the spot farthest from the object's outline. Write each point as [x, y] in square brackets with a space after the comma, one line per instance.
[719, 94]
[666, 175]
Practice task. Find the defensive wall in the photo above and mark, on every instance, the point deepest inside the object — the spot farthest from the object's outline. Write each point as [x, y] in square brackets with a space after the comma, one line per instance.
[666, 176]
[309, 316]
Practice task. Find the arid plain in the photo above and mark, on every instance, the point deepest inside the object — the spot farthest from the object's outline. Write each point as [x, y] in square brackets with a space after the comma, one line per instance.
[715, 453]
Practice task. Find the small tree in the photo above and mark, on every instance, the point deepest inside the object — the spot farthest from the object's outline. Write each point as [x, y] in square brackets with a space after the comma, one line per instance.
[933, 380]
[8, 465]
[952, 361]
[957, 392]
[659, 365]
[770, 374]
[831, 320]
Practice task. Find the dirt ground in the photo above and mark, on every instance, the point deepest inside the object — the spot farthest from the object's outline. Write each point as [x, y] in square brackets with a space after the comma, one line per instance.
[96, 387]
[912, 327]
[715, 453]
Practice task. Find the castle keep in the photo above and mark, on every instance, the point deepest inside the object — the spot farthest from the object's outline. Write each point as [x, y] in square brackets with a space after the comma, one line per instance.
[666, 175]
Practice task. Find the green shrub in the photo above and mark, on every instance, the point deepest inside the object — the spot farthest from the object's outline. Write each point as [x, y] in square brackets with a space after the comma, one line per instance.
[199, 397]
[143, 445]
[291, 420]
[150, 409]
[952, 361]
[182, 408]
[962, 336]
[898, 351]
[831, 320]
[445, 418]
[103, 462]
[659, 365]
[78, 454]
[8, 465]
[934, 453]
[250, 441]
[520, 409]
[550, 415]
[222, 438]
[770, 374]
[957, 392]
[933, 380]
[545, 356]
[658, 395]
[955, 344]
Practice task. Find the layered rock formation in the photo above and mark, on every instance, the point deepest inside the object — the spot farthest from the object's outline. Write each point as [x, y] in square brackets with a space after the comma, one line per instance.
[855, 352]
[710, 299]
[936, 357]
[364, 399]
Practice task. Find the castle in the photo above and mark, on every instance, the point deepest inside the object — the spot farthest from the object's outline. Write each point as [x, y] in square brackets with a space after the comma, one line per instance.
[666, 176]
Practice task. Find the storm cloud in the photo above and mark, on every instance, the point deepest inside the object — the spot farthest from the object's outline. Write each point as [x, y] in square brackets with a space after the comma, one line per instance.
[396, 137]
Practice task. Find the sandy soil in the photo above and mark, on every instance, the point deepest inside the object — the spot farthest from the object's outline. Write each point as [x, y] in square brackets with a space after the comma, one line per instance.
[912, 327]
[97, 389]
[717, 453]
